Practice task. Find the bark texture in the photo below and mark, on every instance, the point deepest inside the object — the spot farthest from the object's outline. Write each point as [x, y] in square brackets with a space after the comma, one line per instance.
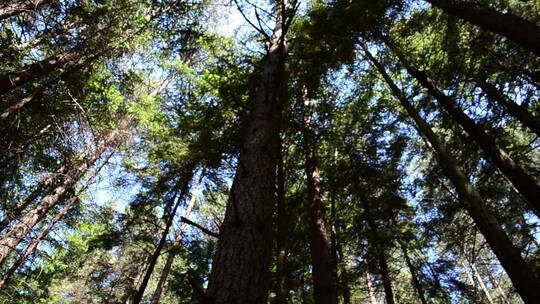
[15, 7]
[523, 278]
[521, 31]
[282, 234]
[240, 271]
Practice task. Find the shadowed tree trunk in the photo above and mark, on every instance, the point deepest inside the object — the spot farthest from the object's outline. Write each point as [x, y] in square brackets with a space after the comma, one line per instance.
[523, 182]
[240, 271]
[523, 278]
[414, 273]
[521, 114]
[170, 212]
[11, 81]
[324, 283]
[521, 31]
[14, 236]
[282, 234]
[14, 7]
[175, 247]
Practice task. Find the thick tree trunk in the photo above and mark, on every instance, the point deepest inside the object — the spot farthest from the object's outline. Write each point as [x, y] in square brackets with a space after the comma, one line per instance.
[170, 212]
[414, 274]
[324, 283]
[523, 182]
[14, 7]
[240, 271]
[521, 114]
[282, 293]
[523, 278]
[521, 31]
[174, 248]
[12, 238]
[11, 81]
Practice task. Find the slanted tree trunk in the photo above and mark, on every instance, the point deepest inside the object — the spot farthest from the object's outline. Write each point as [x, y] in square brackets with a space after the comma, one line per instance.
[524, 279]
[14, 236]
[414, 274]
[481, 283]
[15, 7]
[493, 280]
[37, 70]
[324, 283]
[521, 114]
[170, 212]
[174, 248]
[523, 182]
[521, 31]
[282, 294]
[240, 271]
[21, 103]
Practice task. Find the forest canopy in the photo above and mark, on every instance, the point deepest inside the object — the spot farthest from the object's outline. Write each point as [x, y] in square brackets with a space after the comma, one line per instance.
[280, 151]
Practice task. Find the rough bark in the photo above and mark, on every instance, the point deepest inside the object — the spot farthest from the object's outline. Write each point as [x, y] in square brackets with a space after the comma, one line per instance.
[170, 212]
[521, 275]
[14, 236]
[521, 31]
[174, 249]
[324, 283]
[282, 234]
[521, 114]
[240, 271]
[15, 7]
[11, 81]
[414, 274]
[522, 181]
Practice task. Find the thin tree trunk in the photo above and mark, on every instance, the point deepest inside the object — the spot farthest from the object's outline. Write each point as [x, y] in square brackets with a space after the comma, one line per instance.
[414, 274]
[282, 233]
[523, 278]
[21, 103]
[170, 211]
[174, 248]
[11, 81]
[14, 7]
[324, 284]
[380, 253]
[14, 236]
[521, 114]
[481, 282]
[523, 182]
[240, 271]
[521, 31]
[493, 280]
[371, 289]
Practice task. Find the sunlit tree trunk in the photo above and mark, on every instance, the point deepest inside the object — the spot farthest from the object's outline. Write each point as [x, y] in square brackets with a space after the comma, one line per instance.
[481, 283]
[523, 182]
[240, 271]
[14, 7]
[371, 288]
[37, 70]
[11, 239]
[521, 31]
[493, 280]
[523, 278]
